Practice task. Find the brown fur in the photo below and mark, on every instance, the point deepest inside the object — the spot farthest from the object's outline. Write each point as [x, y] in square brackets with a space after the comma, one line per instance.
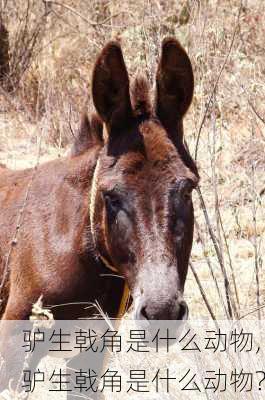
[89, 134]
[140, 95]
[4, 55]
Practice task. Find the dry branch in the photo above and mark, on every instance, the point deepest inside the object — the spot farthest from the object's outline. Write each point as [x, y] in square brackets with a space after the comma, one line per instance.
[217, 81]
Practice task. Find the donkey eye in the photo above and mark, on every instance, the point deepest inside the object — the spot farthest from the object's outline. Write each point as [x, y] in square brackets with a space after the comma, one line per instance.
[186, 190]
[186, 195]
[112, 202]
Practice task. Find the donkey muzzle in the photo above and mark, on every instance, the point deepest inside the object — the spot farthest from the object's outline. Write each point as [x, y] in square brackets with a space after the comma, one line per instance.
[171, 310]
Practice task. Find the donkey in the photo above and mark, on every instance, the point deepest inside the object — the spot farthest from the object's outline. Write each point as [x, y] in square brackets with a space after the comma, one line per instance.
[122, 202]
[116, 218]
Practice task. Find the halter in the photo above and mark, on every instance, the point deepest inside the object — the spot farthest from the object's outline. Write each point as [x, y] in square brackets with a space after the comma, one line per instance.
[126, 292]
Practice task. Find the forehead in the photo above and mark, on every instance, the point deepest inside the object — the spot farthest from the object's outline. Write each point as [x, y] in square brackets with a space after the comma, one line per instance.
[154, 158]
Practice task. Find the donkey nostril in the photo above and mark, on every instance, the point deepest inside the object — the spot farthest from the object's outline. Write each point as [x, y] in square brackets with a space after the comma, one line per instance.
[141, 311]
[183, 310]
[144, 313]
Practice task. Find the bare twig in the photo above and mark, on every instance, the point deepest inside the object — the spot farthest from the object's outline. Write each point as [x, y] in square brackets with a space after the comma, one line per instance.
[217, 205]
[74, 11]
[254, 218]
[217, 250]
[210, 267]
[251, 105]
[209, 308]
[217, 81]
[257, 309]
[262, 119]
[26, 40]
[230, 261]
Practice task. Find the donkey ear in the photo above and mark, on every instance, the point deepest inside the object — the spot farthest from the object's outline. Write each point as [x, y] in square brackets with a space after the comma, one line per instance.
[174, 86]
[110, 88]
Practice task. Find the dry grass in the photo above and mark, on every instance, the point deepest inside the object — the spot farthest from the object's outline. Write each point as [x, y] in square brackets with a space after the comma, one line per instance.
[225, 41]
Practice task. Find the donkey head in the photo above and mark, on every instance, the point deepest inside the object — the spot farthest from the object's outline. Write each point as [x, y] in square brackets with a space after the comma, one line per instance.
[141, 206]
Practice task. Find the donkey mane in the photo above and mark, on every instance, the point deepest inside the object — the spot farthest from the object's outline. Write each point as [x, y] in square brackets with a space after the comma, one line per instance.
[89, 134]
[140, 97]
